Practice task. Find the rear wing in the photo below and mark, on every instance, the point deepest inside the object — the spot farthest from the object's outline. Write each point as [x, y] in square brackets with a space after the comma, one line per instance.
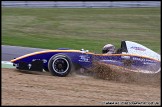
[130, 47]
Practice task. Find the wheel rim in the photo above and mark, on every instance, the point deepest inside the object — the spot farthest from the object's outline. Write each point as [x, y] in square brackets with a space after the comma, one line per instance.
[60, 65]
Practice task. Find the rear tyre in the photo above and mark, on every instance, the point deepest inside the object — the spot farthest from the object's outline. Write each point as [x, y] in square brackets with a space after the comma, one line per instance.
[59, 65]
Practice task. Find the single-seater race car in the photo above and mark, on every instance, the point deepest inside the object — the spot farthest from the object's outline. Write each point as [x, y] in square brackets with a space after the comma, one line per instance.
[130, 55]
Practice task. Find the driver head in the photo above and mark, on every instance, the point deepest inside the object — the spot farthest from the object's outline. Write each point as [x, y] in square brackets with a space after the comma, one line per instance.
[108, 48]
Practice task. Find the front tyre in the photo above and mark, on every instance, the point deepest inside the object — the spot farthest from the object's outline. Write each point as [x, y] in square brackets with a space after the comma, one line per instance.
[59, 65]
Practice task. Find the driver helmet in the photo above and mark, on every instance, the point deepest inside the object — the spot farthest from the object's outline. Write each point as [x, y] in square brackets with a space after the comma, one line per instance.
[109, 48]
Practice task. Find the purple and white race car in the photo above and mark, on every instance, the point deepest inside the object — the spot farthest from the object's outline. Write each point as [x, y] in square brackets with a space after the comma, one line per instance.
[130, 55]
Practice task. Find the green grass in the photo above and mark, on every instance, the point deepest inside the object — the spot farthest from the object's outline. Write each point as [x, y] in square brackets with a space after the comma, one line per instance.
[76, 28]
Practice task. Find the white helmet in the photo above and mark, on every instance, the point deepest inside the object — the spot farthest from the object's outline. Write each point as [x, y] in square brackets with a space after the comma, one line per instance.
[109, 48]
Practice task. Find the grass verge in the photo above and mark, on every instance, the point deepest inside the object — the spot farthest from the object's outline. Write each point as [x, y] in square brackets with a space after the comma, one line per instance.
[76, 28]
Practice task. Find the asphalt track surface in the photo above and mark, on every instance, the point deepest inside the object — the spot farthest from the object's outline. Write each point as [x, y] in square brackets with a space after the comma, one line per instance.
[10, 52]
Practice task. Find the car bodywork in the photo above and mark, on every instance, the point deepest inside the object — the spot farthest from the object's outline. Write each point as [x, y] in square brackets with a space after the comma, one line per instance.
[130, 55]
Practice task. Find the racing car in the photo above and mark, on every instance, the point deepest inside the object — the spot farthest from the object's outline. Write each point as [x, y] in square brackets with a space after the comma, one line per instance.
[59, 62]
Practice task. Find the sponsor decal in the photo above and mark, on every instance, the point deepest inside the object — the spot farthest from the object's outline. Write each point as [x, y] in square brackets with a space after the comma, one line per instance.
[125, 57]
[138, 48]
[147, 63]
[44, 60]
[84, 58]
[143, 60]
[108, 60]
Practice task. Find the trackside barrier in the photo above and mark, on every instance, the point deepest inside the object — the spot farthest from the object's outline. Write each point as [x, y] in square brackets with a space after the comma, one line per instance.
[81, 4]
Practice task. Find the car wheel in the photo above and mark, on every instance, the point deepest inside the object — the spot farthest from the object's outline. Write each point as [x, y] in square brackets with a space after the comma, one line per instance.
[59, 65]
